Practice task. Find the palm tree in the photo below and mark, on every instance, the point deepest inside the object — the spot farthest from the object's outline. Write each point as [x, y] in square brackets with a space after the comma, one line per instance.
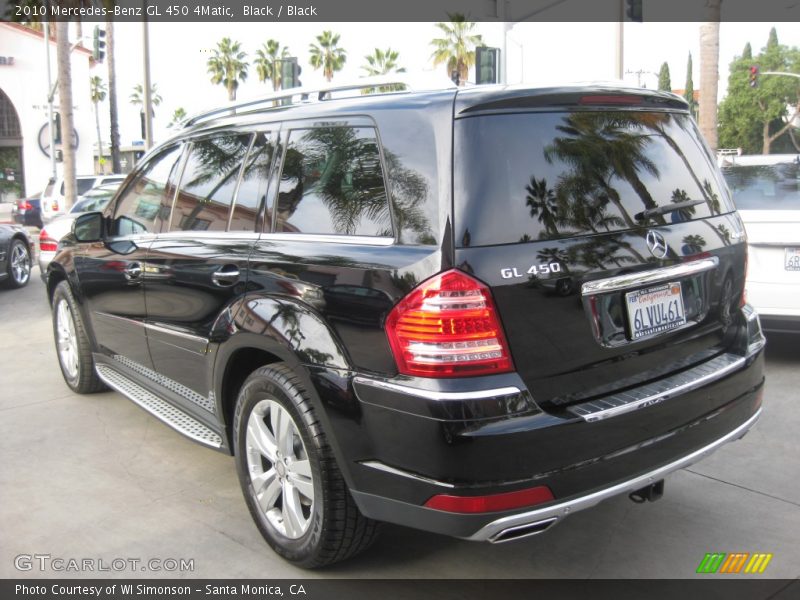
[709, 73]
[382, 62]
[541, 201]
[65, 110]
[267, 62]
[457, 48]
[228, 65]
[98, 94]
[178, 116]
[116, 163]
[327, 55]
[136, 98]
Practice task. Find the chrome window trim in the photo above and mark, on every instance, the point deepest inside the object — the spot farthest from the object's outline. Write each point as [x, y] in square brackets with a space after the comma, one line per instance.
[492, 531]
[360, 240]
[180, 334]
[438, 396]
[632, 280]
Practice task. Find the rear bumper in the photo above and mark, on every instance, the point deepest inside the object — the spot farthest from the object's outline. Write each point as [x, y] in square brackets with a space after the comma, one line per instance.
[401, 442]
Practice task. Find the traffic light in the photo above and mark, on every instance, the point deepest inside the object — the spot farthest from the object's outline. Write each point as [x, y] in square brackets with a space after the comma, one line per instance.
[753, 76]
[486, 60]
[633, 10]
[290, 73]
[99, 46]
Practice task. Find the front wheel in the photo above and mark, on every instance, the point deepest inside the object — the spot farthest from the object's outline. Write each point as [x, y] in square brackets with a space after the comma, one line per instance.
[19, 264]
[72, 343]
[291, 482]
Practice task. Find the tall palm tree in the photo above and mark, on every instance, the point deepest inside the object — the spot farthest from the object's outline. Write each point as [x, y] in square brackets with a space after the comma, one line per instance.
[709, 73]
[327, 55]
[178, 116]
[382, 62]
[457, 48]
[97, 93]
[267, 62]
[228, 65]
[136, 97]
[65, 110]
[116, 163]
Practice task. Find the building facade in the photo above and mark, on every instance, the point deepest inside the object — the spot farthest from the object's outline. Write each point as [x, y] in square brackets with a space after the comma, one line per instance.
[25, 164]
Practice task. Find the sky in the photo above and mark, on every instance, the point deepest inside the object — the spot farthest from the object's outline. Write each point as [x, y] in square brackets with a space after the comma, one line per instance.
[538, 53]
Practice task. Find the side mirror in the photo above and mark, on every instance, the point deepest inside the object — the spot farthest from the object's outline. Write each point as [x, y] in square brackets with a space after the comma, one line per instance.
[88, 227]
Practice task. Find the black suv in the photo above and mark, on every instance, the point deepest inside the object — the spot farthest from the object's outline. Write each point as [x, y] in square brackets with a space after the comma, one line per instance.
[469, 311]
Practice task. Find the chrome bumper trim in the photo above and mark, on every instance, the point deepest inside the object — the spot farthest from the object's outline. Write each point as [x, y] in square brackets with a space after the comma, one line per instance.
[432, 395]
[664, 389]
[633, 280]
[379, 466]
[492, 530]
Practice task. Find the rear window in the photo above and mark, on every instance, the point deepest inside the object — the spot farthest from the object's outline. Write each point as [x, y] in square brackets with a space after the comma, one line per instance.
[765, 187]
[84, 185]
[539, 176]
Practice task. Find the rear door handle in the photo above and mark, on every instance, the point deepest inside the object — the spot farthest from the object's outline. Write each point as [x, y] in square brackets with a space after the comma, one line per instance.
[225, 276]
[133, 271]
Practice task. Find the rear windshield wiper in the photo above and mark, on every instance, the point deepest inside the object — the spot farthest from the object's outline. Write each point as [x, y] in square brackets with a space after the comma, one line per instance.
[662, 210]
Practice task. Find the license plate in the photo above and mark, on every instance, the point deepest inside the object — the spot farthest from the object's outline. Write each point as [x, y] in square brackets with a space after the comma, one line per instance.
[792, 259]
[655, 310]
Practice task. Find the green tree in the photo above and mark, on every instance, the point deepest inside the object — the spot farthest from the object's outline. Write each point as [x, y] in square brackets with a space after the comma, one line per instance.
[688, 93]
[457, 48]
[664, 81]
[178, 116]
[137, 96]
[382, 62]
[755, 118]
[747, 52]
[327, 56]
[267, 62]
[228, 66]
[97, 93]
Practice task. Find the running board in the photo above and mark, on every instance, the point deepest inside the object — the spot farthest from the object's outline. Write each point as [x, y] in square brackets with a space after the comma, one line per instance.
[162, 410]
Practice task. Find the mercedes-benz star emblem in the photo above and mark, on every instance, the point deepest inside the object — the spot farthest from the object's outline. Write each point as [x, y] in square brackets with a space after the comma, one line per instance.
[657, 244]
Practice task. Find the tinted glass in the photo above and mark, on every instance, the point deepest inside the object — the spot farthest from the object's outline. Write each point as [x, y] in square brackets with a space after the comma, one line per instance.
[254, 184]
[525, 177]
[84, 185]
[332, 183]
[765, 187]
[138, 209]
[208, 183]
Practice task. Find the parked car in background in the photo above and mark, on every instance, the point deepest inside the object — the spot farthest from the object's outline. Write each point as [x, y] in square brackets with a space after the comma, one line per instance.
[766, 191]
[53, 195]
[94, 199]
[15, 256]
[27, 211]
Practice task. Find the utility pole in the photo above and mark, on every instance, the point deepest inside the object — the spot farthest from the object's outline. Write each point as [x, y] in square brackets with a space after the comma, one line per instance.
[148, 101]
[620, 45]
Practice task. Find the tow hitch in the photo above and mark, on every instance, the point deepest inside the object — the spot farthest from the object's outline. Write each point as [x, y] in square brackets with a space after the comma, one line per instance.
[652, 492]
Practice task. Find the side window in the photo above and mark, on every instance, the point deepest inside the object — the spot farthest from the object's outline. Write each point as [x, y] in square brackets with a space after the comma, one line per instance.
[332, 183]
[137, 210]
[250, 198]
[208, 182]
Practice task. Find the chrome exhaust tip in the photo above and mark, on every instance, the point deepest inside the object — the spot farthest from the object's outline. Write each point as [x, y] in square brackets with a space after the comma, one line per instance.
[523, 531]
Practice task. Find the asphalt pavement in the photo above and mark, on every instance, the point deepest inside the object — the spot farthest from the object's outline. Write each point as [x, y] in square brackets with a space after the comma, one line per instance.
[96, 478]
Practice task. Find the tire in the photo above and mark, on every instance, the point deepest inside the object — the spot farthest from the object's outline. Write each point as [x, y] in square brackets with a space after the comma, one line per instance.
[19, 265]
[320, 524]
[72, 344]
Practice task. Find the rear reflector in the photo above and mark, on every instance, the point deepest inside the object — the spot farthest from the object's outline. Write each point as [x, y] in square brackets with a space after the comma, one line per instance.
[492, 503]
[46, 243]
[448, 327]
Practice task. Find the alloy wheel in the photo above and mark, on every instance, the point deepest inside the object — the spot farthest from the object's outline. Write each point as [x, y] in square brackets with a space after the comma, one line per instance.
[66, 341]
[279, 469]
[20, 264]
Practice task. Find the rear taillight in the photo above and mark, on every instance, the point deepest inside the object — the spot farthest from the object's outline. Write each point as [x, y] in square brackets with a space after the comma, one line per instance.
[54, 206]
[447, 327]
[25, 205]
[46, 243]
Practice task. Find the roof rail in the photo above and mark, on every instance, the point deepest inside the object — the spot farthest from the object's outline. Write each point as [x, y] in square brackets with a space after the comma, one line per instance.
[311, 94]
